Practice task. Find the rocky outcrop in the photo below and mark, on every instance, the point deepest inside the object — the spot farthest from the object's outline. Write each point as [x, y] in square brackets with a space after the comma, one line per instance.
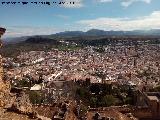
[4, 86]
[12, 103]
[22, 104]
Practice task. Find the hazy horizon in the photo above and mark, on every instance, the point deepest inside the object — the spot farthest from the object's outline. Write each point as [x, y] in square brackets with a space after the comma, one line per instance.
[126, 15]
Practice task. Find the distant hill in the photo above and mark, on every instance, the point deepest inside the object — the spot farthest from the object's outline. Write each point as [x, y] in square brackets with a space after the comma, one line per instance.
[70, 33]
[89, 34]
[67, 41]
[39, 39]
[97, 32]
[15, 39]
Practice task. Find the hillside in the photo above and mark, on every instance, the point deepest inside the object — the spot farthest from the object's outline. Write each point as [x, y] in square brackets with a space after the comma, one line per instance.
[93, 33]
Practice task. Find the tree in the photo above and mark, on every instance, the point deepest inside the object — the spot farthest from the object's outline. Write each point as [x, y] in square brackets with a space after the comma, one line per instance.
[95, 88]
[93, 101]
[35, 97]
[23, 83]
[108, 100]
[81, 92]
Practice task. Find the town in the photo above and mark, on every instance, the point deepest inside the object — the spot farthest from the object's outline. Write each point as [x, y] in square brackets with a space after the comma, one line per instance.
[109, 82]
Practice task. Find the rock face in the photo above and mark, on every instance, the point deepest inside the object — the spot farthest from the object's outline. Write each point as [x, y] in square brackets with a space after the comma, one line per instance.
[4, 86]
[12, 102]
[22, 104]
[2, 31]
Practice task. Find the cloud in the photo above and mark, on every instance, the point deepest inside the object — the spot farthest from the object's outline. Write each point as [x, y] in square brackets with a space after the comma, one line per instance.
[147, 22]
[77, 3]
[127, 3]
[65, 17]
[16, 31]
[104, 1]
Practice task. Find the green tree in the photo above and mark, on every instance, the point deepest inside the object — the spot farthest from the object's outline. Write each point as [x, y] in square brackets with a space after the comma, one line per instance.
[108, 100]
[93, 101]
[81, 92]
[35, 97]
[23, 83]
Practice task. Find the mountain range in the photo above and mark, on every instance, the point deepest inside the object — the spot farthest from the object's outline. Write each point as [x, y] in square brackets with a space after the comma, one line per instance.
[97, 32]
[91, 33]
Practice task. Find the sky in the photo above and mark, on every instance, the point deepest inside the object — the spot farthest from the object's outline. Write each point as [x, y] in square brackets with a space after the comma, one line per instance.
[43, 19]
